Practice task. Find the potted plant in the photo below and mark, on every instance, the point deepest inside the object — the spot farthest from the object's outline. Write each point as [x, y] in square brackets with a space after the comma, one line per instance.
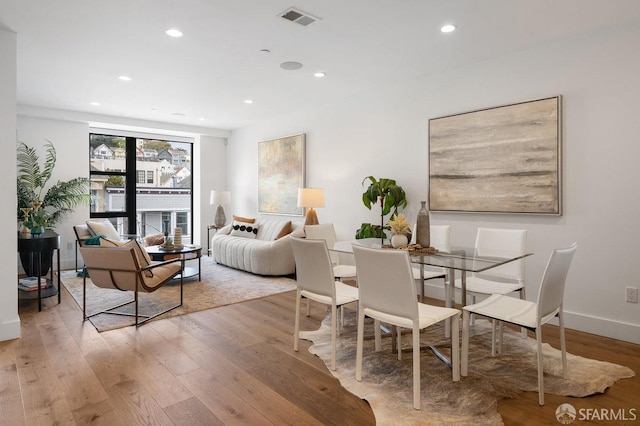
[389, 195]
[37, 208]
[400, 230]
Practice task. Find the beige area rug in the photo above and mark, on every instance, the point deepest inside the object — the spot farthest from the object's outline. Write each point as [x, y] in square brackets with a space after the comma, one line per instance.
[220, 286]
[387, 383]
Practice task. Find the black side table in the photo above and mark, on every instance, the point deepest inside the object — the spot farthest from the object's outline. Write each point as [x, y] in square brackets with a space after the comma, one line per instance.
[35, 246]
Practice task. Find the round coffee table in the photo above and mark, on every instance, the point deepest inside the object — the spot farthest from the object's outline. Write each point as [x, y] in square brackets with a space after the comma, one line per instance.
[186, 252]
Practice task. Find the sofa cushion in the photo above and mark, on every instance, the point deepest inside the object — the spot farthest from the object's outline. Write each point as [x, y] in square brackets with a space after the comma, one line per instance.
[244, 219]
[286, 230]
[271, 228]
[244, 229]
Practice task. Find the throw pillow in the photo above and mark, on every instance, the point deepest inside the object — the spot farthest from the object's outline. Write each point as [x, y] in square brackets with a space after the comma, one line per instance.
[103, 227]
[286, 230]
[243, 229]
[244, 219]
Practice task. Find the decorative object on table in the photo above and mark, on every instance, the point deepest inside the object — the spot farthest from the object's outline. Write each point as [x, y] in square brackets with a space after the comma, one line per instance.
[220, 198]
[391, 197]
[281, 171]
[177, 237]
[168, 243]
[37, 219]
[496, 160]
[60, 199]
[310, 198]
[25, 217]
[423, 227]
[400, 230]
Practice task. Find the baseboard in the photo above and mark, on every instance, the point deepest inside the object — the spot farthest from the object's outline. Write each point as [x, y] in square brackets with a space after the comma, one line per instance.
[10, 330]
[576, 321]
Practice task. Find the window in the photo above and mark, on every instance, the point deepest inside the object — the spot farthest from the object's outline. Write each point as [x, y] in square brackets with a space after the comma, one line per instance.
[143, 186]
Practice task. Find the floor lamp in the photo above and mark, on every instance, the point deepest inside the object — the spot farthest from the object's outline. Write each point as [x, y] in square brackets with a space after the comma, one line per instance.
[310, 198]
[220, 198]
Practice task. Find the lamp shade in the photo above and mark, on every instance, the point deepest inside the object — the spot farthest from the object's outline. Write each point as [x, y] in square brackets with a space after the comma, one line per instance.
[220, 197]
[310, 197]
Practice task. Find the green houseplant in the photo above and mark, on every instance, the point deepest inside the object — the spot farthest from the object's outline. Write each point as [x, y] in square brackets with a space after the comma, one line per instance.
[40, 208]
[389, 195]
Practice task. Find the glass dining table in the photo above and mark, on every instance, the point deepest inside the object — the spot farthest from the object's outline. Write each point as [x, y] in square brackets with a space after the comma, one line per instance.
[461, 259]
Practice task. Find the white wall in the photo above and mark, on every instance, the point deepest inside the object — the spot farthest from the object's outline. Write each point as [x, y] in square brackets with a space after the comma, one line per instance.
[9, 320]
[385, 134]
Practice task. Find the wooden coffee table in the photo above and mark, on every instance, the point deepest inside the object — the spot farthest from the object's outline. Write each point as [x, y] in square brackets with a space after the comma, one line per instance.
[159, 253]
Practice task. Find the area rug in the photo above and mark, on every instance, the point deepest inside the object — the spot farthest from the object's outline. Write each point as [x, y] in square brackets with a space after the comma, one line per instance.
[220, 286]
[387, 383]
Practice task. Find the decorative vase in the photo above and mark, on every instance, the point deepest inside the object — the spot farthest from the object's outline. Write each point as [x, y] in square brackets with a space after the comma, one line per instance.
[399, 240]
[423, 233]
[37, 230]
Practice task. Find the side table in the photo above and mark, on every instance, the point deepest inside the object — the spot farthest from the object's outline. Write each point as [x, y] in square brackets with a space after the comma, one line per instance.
[35, 246]
[209, 228]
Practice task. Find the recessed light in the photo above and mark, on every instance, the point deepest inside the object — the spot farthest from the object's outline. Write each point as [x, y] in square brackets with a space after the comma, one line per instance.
[265, 51]
[174, 32]
[448, 28]
[319, 74]
[94, 103]
[248, 101]
[125, 78]
[178, 114]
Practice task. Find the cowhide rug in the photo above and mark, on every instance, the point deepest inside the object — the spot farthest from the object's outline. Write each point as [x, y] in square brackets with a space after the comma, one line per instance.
[387, 383]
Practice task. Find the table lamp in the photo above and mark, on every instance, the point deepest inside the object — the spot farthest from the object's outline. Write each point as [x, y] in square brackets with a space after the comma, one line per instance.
[311, 197]
[220, 198]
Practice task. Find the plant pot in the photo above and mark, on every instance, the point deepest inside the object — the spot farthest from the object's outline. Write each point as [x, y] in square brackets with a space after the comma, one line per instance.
[31, 267]
[399, 240]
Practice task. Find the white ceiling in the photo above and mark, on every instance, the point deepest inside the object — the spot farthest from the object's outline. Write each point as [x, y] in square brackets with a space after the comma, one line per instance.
[71, 52]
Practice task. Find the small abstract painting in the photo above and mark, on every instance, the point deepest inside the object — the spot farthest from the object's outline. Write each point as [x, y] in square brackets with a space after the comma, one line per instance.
[505, 159]
[281, 171]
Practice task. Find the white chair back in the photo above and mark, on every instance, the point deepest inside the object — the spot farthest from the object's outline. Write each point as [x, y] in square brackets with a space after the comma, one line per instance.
[385, 281]
[439, 237]
[497, 242]
[314, 271]
[551, 291]
[326, 232]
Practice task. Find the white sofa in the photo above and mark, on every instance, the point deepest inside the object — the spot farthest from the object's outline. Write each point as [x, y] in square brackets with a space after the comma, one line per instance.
[264, 255]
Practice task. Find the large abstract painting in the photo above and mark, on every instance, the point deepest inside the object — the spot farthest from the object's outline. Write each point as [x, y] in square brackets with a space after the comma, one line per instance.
[281, 164]
[505, 159]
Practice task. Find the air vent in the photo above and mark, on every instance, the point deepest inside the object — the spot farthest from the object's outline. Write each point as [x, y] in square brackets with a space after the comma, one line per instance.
[298, 16]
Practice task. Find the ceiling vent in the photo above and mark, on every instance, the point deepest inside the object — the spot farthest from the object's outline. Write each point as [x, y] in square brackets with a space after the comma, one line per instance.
[299, 17]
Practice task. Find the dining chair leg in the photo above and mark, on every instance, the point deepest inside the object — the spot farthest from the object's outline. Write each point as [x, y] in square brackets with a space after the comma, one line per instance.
[493, 337]
[416, 366]
[296, 327]
[334, 326]
[399, 342]
[377, 335]
[455, 347]
[308, 307]
[540, 364]
[359, 345]
[464, 362]
[523, 331]
[563, 345]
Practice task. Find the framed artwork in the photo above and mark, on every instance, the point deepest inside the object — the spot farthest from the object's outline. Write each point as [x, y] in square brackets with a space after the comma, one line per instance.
[505, 159]
[281, 171]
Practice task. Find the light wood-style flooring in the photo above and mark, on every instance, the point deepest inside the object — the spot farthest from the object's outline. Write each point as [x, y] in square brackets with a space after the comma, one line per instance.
[230, 365]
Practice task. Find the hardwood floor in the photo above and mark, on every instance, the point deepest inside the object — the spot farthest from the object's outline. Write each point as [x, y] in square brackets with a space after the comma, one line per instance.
[230, 365]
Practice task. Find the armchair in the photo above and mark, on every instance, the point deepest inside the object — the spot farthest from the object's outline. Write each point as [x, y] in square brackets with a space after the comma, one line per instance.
[124, 268]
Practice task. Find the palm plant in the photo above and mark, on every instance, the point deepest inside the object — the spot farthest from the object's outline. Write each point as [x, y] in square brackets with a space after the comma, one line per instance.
[59, 199]
[390, 196]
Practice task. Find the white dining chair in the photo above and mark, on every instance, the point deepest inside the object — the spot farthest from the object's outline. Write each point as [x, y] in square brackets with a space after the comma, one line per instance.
[527, 314]
[387, 294]
[326, 231]
[440, 236]
[315, 281]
